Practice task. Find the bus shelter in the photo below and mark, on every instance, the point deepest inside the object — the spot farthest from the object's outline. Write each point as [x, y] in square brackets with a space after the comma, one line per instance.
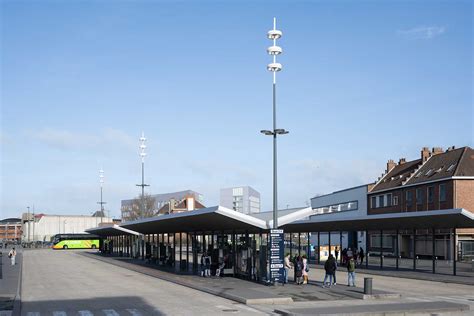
[238, 243]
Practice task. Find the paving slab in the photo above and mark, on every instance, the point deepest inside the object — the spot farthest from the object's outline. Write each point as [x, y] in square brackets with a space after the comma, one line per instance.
[378, 309]
[239, 290]
[407, 274]
[9, 279]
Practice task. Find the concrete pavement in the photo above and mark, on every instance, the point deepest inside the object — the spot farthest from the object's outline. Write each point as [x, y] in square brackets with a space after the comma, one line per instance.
[61, 283]
[9, 279]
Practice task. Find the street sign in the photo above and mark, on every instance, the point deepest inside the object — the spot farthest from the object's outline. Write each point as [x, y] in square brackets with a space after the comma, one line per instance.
[277, 268]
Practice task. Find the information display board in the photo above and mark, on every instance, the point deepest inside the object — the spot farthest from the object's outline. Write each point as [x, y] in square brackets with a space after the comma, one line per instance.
[277, 248]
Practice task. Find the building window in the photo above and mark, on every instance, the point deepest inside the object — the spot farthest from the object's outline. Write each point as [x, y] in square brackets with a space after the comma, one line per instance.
[389, 199]
[419, 196]
[430, 194]
[373, 202]
[395, 200]
[409, 197]
[381, 204]
[442, 192]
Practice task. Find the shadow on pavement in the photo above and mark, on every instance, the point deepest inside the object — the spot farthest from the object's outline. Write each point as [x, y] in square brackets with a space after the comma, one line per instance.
[109, 306]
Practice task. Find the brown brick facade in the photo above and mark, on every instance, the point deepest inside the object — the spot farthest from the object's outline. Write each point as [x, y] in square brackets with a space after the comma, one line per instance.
[464, 190]
[404, 205]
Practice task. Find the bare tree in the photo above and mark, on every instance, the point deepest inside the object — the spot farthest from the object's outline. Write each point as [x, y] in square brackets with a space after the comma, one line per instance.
[134, 209]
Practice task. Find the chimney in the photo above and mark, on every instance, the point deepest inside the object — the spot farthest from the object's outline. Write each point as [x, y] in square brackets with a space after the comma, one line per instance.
[402, 161]
[436, 151]
[390, 165]
[451, 148]
[425, 154]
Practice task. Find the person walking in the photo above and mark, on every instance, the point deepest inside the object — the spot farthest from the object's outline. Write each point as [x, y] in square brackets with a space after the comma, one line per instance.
[12, 256]
[299, 270]
[329, 268]
[334, 274]
[361, 255]
[351, 266]
[305, 270]
[336, 252]
[288, 266]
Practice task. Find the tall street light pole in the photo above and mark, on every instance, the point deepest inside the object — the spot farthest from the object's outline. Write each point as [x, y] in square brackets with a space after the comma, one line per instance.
[274, 67]
[101, 180]
[143, 185]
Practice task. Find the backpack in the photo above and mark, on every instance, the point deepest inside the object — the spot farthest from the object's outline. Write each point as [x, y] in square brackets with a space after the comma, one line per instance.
[299, 266]
[351, 266]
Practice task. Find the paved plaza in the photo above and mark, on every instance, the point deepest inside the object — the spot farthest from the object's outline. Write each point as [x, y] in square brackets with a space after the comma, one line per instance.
[61, 283]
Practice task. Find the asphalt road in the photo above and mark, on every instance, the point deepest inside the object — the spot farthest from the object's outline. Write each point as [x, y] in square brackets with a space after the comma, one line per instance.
[61, 283]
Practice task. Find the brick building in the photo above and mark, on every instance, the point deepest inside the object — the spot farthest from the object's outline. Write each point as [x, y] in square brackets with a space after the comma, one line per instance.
[438, 180]
[10, 229]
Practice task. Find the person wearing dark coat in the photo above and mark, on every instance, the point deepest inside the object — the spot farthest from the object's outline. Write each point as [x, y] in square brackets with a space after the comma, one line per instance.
[330, 269]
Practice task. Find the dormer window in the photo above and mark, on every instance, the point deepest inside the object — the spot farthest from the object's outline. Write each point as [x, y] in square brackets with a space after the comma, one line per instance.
[429, 172]
[451, 167]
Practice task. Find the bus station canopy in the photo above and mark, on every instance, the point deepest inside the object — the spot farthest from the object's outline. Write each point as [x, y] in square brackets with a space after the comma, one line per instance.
[113, 230]
[453, 218]
[206, 220]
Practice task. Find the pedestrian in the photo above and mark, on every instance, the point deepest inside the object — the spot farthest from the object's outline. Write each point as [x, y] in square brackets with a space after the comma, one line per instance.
[329, 268]
[351, 266]
[344, 256]
[305, 270]
[356, 255]
[335, 268]
[361, 255]
[12, 256]
[299, 270]
[336, 251]
[208, 265]
[288, 266]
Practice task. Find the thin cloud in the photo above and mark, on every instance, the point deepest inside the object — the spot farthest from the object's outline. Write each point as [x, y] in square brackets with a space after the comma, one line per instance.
[422, 32]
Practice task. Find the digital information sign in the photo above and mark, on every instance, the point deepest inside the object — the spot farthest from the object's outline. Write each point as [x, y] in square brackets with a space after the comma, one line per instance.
[277, 248]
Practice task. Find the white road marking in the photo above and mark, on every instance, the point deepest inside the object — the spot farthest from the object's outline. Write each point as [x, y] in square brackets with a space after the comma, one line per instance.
[419, 299]
[110, 312]
[134, 312]
[60, 313]
[453, 298]
[85, 313]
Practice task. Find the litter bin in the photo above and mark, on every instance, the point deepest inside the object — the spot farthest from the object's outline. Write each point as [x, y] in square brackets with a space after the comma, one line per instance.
[368, 286]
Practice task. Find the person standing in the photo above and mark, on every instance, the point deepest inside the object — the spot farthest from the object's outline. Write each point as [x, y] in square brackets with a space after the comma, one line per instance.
[329, 268]
[305, 270]
[287, 267]
[336, 252]
[12, 256]
[299, 270]
[351, 272]
[361, 255]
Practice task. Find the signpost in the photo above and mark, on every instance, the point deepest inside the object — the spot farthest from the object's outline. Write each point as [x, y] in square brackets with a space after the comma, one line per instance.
[277, 247]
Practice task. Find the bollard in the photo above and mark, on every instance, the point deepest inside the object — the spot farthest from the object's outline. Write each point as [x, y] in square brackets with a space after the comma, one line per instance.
[368, 286]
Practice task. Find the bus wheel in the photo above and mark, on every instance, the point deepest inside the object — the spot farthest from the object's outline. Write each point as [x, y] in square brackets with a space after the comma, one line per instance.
[93, 246]
[65, 247]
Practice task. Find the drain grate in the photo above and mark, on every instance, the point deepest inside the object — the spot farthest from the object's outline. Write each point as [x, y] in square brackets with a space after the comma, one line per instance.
[230, 310]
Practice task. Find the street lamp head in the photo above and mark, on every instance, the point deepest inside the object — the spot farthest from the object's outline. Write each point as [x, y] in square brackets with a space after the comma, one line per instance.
[274, 50]
[274, 67]
[281, 131]
[274, 34]
[266, 132]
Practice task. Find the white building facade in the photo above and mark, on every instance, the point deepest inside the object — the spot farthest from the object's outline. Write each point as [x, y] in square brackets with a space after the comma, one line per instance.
[243, 199]
[45, 226]
[344, 204]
